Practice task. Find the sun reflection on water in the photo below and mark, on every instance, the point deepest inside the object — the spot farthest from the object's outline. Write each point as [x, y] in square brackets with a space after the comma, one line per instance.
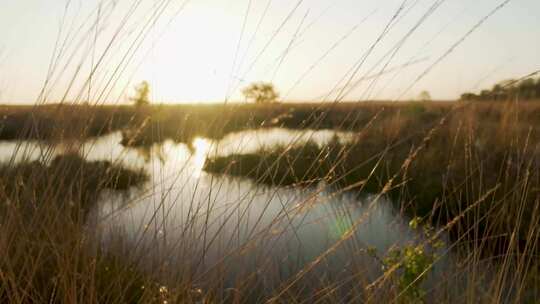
[202, 148]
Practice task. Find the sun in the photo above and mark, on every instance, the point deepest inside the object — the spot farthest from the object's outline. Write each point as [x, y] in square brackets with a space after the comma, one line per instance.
[193, 60]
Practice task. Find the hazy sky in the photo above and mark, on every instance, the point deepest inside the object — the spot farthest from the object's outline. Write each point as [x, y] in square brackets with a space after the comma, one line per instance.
[207, 50]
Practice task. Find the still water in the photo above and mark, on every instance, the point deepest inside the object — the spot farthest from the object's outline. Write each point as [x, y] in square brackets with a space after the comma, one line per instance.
[186, 221]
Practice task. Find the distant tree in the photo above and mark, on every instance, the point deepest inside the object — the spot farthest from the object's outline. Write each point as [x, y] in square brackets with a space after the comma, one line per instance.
[485, 95]
[142, 94]
[424, 96]
[526, 89]
[468, 97]
[498, 92]
[261, 92]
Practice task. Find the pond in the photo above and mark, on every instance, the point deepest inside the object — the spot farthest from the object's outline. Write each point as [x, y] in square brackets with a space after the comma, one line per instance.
[185, 221]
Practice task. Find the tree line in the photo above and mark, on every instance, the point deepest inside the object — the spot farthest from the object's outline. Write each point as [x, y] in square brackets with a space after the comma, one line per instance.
[258, 92]
[527, 89]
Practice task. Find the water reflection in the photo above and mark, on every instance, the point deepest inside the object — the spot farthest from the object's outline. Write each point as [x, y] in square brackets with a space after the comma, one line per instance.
[196, 223]
[108, 147]
[201, 149]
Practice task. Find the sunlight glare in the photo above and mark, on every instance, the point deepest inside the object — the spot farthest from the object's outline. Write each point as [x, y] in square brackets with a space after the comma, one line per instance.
[202, 148]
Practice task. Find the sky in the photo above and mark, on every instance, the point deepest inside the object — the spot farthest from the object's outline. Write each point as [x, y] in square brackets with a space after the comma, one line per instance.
[311, 50]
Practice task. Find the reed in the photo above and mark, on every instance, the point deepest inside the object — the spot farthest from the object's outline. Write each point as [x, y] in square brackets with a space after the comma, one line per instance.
[465, 173]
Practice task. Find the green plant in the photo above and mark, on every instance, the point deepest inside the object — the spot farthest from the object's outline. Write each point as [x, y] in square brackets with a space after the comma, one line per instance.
[411, 264]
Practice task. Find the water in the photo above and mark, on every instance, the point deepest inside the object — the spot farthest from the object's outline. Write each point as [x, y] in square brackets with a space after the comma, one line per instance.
[185, 221]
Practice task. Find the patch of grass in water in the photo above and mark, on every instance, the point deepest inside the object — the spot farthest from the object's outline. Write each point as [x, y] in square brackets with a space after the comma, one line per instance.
[49, 256]
[69, 181]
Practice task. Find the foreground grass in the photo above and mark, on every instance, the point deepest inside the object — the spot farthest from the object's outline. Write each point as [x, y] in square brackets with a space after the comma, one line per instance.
[47, 256]
[473, 171]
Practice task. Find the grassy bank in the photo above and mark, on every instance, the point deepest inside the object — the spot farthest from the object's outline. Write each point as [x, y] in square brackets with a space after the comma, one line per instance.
[155, 123]
[30, 183]
[57, 122]
[436, 163]
[47, 253]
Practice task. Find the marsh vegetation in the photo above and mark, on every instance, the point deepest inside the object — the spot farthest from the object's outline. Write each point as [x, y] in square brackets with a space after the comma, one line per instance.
[269, 200]
[467, 173]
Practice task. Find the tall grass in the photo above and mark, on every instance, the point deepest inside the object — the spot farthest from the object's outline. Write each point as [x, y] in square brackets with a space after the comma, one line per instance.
[470, 172]
[466, 174]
